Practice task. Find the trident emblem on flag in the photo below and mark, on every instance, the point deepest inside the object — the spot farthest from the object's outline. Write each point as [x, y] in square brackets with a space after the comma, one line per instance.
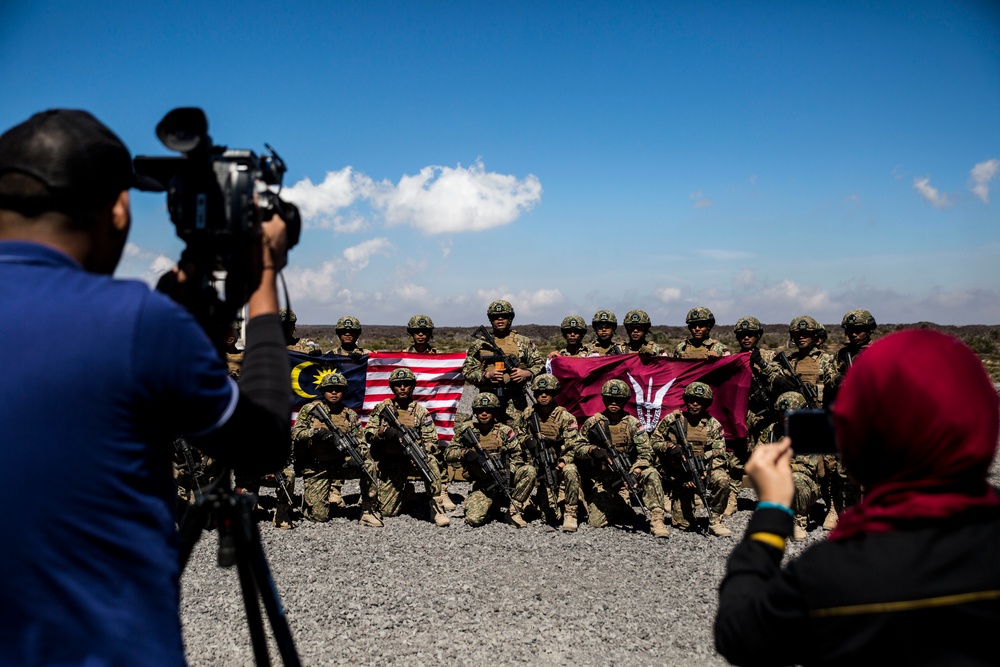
[648, 410]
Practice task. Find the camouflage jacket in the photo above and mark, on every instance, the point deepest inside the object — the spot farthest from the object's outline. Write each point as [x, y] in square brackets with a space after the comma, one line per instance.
[235, 363]
[686, 349]
[614, 347]
[423, 424]
[586, 350]
[306, 346]
[474, 368]
[847, 355]
[828, 374]
[663, 438]
[413, 349]
[356, 352]
[640, 450]
[648, 348]
[308, 426]
[565, 426]
[510, 453]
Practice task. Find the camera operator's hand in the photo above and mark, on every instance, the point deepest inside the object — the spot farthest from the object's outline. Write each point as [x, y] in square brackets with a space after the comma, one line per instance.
[274, 236]
[770, 470]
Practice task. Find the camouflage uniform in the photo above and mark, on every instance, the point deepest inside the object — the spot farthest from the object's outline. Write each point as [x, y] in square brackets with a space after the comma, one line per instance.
[559, 430]
[479, 357]
[317, 475]
[640, 319]
[695, 349]
[607, 496]
[499, 441]
[604, 348]
[575, 323]
[391, 461]
[706, 439]
[349, 323]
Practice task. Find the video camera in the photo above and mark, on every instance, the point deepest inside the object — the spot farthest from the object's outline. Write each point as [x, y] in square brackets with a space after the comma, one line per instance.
[217, 198]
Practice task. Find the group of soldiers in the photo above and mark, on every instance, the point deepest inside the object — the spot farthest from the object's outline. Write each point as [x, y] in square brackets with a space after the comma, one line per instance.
[527, 458]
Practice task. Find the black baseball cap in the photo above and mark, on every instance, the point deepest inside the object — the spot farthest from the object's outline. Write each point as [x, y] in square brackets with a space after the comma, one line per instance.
[77, 157]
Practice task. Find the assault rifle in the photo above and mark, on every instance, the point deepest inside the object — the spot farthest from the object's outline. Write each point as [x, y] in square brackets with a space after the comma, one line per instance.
[280, 484]
[693, 465]
[808, 391]
[485, 466]
[619, 464]
[344, 442]
[195, 470]
[542, 452]
[411, 444]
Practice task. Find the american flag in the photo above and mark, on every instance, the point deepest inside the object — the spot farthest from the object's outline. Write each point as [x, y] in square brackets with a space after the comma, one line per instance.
[439, 384]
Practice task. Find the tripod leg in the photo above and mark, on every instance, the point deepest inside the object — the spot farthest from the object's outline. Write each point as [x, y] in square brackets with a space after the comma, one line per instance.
[252, 607]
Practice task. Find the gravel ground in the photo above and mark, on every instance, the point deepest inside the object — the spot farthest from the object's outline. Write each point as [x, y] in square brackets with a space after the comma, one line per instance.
[414, 594]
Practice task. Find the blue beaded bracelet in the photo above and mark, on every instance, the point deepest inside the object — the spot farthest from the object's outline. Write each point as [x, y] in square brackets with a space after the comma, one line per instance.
[776, 506]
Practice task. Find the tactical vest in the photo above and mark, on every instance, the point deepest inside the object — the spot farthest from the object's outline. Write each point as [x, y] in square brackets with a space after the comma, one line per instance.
[691, 351]
[406, 417]
[491, 441]
[807, 369]
[697, 436]
[612, 348]
[619, 436]
[549, 427]
[339, 420]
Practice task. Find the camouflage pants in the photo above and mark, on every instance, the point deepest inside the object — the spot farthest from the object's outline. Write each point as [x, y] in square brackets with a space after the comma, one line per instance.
[570, 486]
[188, 485]
[392, 476]
[608, 499]
[837, 488]
[807, 492]
[317, 481]
[682, 498]
[479, 504]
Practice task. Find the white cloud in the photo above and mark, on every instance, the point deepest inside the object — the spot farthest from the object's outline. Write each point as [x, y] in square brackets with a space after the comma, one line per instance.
[982, 174]
[525, 302]
[699, 199]
[745, 278]
[722, 255]
[668, 294]
[359, 255]
[930, 193]
[319, 284]
[436, 200]
[143, 264]
[412, 293]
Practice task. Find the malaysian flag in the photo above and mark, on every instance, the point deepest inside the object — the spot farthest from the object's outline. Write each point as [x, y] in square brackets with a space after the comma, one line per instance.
[439, 384]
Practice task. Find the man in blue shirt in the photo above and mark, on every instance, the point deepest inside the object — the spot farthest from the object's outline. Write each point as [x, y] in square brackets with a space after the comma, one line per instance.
[90, 572]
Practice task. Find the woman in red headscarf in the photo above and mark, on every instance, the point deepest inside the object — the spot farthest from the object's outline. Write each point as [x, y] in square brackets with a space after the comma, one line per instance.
[911, 575]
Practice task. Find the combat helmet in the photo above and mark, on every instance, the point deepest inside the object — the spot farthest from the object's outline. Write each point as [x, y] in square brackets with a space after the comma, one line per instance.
[573, 323]
[700, 314]
[640, 317]
[485, 400]
[545, 382]
[859, 317]
[332, 379]
[287, 316]
[499, 308]
[348, 323]
[419, 322]
[748, 324]
[615, 389]
[402, 375]
[698, 390]
[803, 323]
[605, 317]
[790, 400]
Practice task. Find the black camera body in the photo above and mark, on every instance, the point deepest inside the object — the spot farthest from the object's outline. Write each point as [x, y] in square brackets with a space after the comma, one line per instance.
[217, 198]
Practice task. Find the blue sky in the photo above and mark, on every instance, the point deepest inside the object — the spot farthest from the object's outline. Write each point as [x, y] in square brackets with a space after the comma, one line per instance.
[769, 158]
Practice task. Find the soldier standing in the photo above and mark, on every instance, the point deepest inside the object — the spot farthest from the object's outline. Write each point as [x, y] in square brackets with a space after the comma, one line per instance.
[349, 331]
[488, 371]
[818, 370]
[307, 346]
[547, 425]
[500, 443]
[391, 460]
[605, 323]
[700, 344]
[421, 329]
[607, 496]
[859, 325]
[573, 330]
[321, 462]
[637, 327]
[704, 435]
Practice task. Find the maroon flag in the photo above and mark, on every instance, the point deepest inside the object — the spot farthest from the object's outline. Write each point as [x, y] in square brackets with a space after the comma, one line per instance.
[657, 386]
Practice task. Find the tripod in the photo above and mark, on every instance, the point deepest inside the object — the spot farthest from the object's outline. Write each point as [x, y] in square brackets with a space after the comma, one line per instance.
[239, 544]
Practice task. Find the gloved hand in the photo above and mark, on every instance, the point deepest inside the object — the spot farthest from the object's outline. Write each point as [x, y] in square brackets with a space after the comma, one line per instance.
[599, 454]
[391, 432]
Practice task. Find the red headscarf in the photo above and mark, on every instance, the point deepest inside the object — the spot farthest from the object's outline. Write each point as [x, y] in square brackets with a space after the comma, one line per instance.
[917, 422]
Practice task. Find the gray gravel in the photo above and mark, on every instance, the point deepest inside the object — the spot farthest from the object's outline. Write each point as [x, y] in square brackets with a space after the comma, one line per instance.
[413, 594]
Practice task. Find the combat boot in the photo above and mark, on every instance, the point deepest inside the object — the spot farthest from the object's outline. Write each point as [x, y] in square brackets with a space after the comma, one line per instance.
[799, 529]
[369, 515]
[335, 498]
[514, 518]
[445, 501]
[441, 519]
[656, 525]
[732, 505]
[283, 517]
[716, 528]
[569, 519]
[830, 522]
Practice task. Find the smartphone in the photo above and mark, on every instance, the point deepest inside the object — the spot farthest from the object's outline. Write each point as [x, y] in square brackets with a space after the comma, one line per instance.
[811, 431]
